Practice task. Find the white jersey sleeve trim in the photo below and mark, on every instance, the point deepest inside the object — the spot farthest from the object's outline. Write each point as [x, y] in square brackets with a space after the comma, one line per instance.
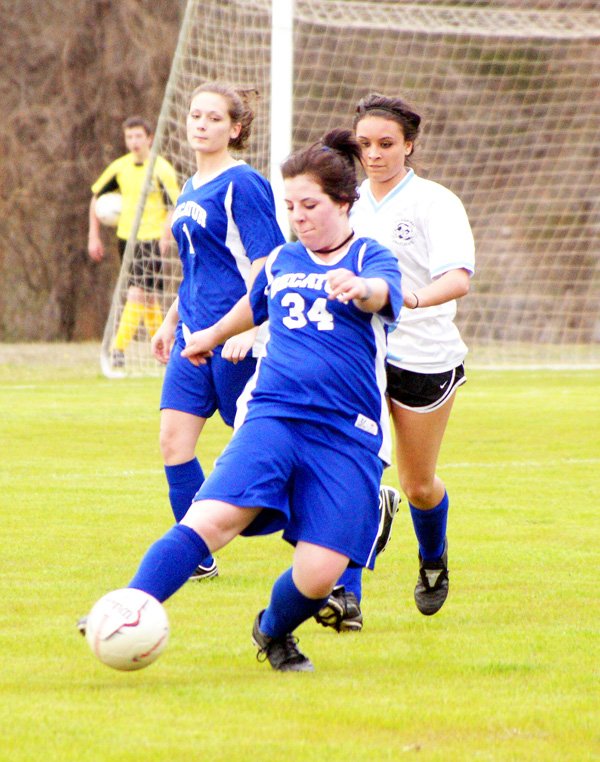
[361, 256]
[233, 240]
[270, 260]
[468, 266]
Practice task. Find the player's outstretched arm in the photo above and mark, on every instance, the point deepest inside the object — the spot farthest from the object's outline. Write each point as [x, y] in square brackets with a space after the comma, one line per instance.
[201, 343]
[237, 347]
[451, 285]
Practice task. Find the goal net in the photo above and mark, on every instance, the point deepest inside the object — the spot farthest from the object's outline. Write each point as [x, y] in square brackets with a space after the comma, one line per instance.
[509, 93]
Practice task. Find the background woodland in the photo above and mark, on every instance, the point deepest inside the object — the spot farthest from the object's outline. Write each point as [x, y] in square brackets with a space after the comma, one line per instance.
[70, 73]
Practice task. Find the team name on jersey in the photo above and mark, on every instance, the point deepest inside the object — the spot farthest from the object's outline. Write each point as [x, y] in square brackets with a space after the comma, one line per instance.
[314, 281]
[191, 209]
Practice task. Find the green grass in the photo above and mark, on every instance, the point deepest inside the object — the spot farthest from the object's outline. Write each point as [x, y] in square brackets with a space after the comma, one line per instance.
[508, 670]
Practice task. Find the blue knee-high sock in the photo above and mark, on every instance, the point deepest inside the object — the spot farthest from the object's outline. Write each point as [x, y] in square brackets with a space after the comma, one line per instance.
[287, 608]
[184, 480]
[430, 528]
[351, 579]
[169, 562]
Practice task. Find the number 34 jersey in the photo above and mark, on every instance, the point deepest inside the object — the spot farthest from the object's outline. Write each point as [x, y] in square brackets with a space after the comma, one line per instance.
[325, 360]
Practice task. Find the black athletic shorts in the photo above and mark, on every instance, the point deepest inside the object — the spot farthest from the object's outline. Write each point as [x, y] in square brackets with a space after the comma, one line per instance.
[422, 392]
[145, 271]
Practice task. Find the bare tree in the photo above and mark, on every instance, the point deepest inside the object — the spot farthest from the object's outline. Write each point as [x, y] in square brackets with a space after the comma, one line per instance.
[69, 75]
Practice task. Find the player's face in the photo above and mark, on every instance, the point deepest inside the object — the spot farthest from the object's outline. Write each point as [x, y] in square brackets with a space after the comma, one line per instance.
[383, 149]
[318, 220]
[209, 126]
[138, 142]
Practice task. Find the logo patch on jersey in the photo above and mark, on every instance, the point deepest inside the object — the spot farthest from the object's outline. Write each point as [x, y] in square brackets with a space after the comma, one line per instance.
[366, 424]
[404, 231]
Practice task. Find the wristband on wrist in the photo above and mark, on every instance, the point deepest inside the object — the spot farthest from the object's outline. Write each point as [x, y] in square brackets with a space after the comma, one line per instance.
[417, 300]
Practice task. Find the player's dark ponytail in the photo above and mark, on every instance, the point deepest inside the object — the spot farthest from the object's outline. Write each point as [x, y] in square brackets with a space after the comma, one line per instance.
[331, 161]
[344, 142]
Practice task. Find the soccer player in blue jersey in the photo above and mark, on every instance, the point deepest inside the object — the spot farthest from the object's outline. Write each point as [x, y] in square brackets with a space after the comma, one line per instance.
[308, 456]
[427, 228]
[224, 224]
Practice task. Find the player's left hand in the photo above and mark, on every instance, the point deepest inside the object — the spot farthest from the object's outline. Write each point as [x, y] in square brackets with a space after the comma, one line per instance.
[237, 347]
[199, 347]
[346, 285]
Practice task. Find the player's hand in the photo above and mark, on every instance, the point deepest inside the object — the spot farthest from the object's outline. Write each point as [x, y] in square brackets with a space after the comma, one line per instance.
[95, 249]
[237, 347]
[161, 344]
[199, 347]
[345, 285]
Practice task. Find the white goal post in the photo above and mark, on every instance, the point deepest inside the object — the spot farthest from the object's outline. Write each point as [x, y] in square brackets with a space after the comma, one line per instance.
[509, 94]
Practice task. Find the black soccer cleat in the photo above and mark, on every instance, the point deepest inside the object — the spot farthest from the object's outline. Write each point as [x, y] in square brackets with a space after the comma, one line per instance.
[283, 653]
[341, 612]
[389, 500]
[205, 572]
[431, 590]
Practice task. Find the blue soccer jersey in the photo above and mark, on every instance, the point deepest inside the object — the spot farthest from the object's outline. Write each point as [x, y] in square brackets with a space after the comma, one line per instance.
[325, 359]
[221, 226]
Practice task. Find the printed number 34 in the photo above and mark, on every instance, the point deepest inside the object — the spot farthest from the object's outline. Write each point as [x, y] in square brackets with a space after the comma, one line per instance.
[316, 314]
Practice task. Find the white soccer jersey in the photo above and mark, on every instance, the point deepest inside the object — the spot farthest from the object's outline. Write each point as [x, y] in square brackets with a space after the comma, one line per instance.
[427, 228]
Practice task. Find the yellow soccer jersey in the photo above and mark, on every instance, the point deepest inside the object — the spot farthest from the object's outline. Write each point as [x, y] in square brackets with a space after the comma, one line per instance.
[127, 178]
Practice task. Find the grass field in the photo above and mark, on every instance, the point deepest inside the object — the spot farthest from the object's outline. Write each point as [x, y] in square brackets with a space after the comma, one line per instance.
[508, 670]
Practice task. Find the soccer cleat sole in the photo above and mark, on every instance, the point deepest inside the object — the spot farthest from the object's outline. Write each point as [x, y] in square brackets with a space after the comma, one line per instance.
[335, 613]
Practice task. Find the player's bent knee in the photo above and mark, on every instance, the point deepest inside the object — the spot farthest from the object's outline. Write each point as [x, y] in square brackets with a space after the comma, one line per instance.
[136, 294]
[315, 586]
[216, 522]
[317, 569]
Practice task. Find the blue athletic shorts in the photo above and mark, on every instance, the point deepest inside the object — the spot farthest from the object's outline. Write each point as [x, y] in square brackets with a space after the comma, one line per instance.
[313, 483]
[202, 390]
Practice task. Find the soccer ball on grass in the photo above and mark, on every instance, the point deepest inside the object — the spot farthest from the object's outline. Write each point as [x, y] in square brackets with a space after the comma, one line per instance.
[127, 629]
[108, 208]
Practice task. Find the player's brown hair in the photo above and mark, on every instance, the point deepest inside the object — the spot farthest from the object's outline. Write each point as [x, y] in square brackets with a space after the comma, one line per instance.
[138, 121]
[240, 103]
[376, 104]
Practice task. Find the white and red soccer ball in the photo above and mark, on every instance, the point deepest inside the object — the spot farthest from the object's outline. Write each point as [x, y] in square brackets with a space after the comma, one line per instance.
[127, 629]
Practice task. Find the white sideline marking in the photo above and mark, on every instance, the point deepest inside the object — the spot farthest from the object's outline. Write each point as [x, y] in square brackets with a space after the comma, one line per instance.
[523, 463]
